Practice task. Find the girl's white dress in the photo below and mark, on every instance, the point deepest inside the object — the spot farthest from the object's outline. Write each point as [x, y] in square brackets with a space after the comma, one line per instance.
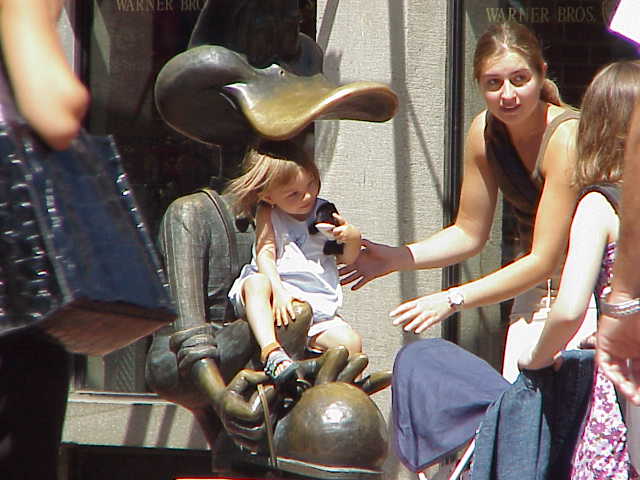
[306, 272]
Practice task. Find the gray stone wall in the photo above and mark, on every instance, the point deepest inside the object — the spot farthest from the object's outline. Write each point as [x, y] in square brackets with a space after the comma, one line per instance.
[387, 178]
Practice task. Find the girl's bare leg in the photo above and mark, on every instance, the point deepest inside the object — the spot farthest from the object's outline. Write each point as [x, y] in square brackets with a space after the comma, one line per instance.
[339, 335]
[256, 292]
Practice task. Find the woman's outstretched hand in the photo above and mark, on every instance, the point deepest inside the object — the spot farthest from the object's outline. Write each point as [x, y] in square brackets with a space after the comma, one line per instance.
[375, 260]
[421, 313]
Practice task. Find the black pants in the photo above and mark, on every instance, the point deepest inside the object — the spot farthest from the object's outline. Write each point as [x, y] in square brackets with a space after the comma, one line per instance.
[34, 383]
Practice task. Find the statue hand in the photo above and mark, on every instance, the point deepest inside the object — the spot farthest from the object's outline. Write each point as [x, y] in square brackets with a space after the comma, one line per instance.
[191, 345]
[334, 365]
[241, 411]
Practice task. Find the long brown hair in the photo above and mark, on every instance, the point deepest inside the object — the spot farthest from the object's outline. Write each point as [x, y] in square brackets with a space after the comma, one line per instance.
[606, 111]
[268, 166]
[501, 38]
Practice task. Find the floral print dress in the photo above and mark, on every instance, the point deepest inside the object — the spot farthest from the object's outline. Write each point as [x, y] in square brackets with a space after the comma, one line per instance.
[601, 452]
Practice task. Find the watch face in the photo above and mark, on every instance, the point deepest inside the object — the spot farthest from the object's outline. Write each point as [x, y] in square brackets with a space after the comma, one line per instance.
[456, 298]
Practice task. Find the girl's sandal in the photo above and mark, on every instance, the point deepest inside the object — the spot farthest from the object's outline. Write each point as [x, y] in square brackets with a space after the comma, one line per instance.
[279, 366]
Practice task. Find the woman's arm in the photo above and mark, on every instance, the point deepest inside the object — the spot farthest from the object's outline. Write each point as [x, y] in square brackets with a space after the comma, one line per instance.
[470, 231]
[593, 222]
[48, 93]
[461, 240]
[551, 230]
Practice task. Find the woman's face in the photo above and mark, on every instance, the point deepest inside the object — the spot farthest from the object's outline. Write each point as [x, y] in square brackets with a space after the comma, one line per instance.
[510, 87]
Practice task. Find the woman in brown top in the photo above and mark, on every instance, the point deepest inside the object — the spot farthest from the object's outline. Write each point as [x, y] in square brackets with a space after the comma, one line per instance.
[522, 144]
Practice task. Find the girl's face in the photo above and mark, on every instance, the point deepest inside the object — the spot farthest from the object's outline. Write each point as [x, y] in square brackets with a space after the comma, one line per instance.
[510, 87]
[297, 197]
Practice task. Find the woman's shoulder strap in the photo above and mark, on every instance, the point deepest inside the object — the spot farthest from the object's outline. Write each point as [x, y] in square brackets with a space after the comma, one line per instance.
[609, 191]
[551, 128]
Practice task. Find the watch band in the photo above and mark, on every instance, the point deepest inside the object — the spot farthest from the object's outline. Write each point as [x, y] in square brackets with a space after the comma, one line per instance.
[620, 310]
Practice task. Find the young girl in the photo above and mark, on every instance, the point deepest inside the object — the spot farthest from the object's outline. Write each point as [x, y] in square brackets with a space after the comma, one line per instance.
[602, 131]
[280, 189]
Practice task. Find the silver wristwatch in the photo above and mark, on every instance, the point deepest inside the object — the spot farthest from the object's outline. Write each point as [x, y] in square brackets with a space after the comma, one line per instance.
[620, 310]
[455, 298]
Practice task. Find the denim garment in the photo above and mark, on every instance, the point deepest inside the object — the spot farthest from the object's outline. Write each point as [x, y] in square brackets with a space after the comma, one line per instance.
[440, 393]
[531, 431]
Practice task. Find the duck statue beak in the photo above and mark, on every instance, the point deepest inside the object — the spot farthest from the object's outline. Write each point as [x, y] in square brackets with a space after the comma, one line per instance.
[279, 104]
[214, 95]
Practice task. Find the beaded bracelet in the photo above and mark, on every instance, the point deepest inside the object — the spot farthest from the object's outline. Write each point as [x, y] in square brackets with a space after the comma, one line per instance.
[620, 310]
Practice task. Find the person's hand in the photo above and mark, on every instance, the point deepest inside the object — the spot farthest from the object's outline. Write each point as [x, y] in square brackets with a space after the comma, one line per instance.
[588, 342]
[618, 352]
[374, 261]
[527, 361]
[345, 232]
[423, 312]
[48, 93]
[282, 308]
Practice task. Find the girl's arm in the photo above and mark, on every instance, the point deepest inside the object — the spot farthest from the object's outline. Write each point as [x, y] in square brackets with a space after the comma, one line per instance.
[461, 240]
[48, 93]
[551, 230]
[266, 261]
[350, 237]
[590, 230]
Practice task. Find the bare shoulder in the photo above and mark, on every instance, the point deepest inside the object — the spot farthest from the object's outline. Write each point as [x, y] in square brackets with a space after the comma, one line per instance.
[263, 214]
[478, 124]
[560, 151]
[595, 212]
[566, 130]
[475, 137]
[595, 203]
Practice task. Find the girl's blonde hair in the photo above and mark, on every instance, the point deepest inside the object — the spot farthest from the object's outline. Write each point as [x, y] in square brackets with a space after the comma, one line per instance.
[501, 38]
[604, 123]
[266, 167]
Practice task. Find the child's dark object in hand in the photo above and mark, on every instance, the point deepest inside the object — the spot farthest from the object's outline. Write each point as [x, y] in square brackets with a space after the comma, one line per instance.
[324, 215]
